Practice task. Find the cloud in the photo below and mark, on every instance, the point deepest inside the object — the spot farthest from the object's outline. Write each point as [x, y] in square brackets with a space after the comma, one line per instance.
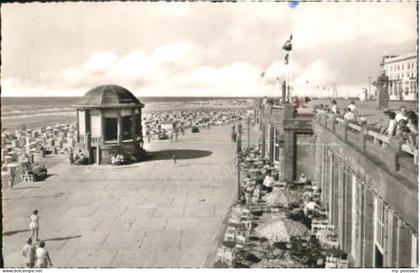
[197, 48]
[171, 53]
[99, 62]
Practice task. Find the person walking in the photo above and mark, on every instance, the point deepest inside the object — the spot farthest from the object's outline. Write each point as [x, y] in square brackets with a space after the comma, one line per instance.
[233, 136]
[34, 225]
[28, 251]
[42, 256]
[174, 158]
[71, 156]
[259, 181]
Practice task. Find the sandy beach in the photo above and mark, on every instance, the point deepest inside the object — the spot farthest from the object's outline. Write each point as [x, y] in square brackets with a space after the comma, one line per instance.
[11, 123]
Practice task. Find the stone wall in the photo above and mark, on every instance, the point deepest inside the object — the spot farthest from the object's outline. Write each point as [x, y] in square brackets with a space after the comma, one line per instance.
[305, 154]
[357, 189]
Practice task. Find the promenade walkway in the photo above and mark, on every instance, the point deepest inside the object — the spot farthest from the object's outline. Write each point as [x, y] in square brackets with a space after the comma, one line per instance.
[150, 214]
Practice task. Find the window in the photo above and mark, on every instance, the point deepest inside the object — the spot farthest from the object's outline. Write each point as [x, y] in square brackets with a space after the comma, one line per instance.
[126, 127]
[276, 144]
[380, 214]
[111, 129]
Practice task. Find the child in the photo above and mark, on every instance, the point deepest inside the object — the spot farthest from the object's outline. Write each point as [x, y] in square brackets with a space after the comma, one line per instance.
[34, 225]
[42, 256]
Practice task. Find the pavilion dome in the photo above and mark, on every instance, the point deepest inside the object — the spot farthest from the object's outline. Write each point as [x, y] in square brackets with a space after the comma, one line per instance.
[108, 96]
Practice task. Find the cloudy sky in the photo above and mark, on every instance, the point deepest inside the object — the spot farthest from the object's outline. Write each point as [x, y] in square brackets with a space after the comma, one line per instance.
[198, 49]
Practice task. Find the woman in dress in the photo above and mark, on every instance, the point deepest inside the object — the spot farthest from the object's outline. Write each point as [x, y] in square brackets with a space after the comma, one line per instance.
[42, 256]
[34, 225]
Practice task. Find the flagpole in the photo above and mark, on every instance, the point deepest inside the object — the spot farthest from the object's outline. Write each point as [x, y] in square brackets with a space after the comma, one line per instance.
[287, 84]
[291, 75]
[288, 48]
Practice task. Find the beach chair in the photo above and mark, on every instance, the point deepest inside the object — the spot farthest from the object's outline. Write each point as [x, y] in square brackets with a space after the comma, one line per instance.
[317, 227]
[281, 185]
[220, 254]
[343, 263]
[240, 239]
[320, 222]
[234, 220]
[330, 262]
[230, 234]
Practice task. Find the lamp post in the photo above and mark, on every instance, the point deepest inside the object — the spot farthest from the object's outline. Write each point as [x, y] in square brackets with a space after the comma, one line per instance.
[369, 78]
[238, 152]
[249, 121]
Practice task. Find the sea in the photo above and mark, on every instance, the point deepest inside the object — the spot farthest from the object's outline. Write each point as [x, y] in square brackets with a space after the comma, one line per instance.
[34, 112]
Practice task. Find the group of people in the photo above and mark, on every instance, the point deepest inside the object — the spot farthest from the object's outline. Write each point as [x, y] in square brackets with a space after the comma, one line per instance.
[37, 171]
[253, 186]
[349, 113]
[172, 124]
[403, 124]
[117, 159]
[121, 159]
[78, 158]
[34, 250]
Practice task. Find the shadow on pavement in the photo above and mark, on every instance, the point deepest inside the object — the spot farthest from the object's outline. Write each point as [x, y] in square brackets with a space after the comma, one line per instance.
[180, 154]
[24, 188]
[13, 232]
[62, 238]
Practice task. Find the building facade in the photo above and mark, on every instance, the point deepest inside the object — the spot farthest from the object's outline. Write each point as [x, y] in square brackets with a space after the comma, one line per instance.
[109, 122]
[368, 183]
[371, 192]
[402, 73]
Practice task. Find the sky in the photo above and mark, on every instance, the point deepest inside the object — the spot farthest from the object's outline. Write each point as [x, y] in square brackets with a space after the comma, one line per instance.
[199, 49]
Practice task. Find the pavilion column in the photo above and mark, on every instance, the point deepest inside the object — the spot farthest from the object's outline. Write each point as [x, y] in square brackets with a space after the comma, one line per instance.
[102, 126]
[133, 124]
[119, 122]
[87, 121]
[88, 135]
[140, 126]
[77, 126]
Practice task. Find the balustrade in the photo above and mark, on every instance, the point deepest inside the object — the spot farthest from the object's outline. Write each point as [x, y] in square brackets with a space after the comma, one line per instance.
[381, 146]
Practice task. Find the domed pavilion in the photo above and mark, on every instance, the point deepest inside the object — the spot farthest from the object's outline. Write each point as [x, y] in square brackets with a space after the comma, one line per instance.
[109, 122]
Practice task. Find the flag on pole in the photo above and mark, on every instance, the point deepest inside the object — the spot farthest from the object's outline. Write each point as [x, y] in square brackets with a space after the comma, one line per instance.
[286, 59]
[288, 45]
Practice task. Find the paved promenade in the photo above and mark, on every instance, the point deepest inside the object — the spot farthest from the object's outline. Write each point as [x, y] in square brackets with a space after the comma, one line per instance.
[150, 214]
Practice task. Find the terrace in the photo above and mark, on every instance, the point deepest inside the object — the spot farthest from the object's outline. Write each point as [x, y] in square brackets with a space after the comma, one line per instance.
[392, 153]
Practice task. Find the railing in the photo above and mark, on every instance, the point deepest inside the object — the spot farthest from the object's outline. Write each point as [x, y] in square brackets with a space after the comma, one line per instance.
[275, 106]
[384, 148]
[95, 140]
